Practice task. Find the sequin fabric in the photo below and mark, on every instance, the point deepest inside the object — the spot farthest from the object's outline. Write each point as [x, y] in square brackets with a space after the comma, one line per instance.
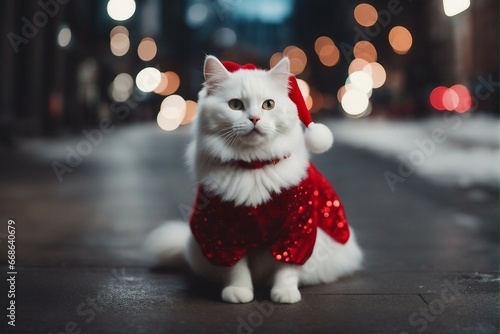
[286, 224]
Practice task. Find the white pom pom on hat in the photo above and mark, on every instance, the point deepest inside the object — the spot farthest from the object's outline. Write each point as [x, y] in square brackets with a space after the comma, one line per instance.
[318, 136]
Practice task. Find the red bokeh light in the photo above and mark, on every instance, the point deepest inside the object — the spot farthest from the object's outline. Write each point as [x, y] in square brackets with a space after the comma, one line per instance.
[464, 98]
[456, 98]
[436, 97]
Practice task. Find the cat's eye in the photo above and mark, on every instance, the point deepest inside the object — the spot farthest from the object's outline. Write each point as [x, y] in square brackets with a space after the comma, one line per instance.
[268, 105]
[235, 104]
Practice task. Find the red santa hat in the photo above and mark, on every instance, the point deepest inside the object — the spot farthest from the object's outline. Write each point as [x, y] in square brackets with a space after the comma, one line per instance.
[318, 137]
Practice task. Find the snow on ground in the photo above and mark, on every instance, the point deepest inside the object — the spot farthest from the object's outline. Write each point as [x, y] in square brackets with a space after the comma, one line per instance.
[451, 149]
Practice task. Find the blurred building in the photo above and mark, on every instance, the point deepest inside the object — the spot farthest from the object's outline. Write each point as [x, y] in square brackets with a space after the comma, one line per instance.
[58, 65]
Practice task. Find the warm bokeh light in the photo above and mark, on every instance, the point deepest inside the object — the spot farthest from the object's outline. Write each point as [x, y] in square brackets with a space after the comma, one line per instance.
[340, 93]
[400, 39]
[377, 72]
[121, 10]
[191, 112]
[309, 102]
[304, 88]
[357, 64]
[119, 44]
[118, 29]
[173, 82]
[361, 80]
[454, 7]
[354, 102]
[298, 59]
[327, 51]
[148, 79]
[174, 101]
[365, 50]
[162, 85]
[147, 49]
[318, 101]
[172, 112]
[275, 58]
[365, 14]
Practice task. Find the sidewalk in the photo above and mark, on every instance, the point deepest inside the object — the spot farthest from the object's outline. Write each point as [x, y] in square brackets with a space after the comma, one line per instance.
[431, 250]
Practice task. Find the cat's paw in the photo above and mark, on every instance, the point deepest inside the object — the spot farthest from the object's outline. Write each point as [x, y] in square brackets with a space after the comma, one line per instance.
[236, 294]
[286, 295]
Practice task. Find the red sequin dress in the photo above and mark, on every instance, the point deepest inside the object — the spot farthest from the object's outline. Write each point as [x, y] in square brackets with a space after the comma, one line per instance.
[286, 224]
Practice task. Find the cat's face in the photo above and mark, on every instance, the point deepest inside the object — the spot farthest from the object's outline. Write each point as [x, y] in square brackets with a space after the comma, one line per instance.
[247, 107]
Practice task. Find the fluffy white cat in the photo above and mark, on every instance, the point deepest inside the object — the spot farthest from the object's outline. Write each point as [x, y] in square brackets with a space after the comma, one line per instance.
[247, 116]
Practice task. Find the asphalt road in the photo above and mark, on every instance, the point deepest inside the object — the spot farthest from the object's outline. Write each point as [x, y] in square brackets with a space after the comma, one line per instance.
[431, 253]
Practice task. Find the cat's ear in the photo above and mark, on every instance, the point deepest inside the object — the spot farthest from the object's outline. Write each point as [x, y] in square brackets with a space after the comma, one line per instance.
[215, 73]
[281, 72]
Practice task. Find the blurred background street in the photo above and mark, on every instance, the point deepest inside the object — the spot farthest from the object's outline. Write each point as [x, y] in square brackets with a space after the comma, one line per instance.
[96, 103]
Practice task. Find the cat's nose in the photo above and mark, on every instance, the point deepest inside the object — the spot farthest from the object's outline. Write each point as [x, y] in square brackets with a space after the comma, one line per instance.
[254, 119]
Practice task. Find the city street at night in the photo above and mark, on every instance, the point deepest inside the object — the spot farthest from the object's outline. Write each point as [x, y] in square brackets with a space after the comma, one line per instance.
[159, 166]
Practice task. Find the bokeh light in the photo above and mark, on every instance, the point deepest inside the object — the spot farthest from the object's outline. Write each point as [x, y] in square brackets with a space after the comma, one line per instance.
[173, 83]
[118, 29]
[400, 39]
[121, 10]
[304, 88]
[224, 37]
[275, 58]
[298, 59]
[454, 7]
[357, 64]
[327, 51]
[354, 102]
[464, 98]
[119, 44]
[436, 97]
[122, 87]
[377, 73]
[172, 112]
[64, 37]
[196, 15]
[457, 98]
[450, 99]
[365, 50]
[362, 80]
[147, 49]
[148, 79]
[162, 86]
[191, 112]
[365, 14]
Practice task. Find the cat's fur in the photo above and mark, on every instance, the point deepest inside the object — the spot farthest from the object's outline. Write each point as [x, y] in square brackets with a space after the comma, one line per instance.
[221, 135]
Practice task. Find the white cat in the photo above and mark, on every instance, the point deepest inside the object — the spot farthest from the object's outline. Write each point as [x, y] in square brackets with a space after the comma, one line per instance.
[250, 221]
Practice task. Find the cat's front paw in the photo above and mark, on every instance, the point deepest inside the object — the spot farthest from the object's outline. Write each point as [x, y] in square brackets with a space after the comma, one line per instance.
[286, 295]
[236, 294]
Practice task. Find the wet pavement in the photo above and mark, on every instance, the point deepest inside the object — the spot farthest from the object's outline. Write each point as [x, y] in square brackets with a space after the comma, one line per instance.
[431, 252]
